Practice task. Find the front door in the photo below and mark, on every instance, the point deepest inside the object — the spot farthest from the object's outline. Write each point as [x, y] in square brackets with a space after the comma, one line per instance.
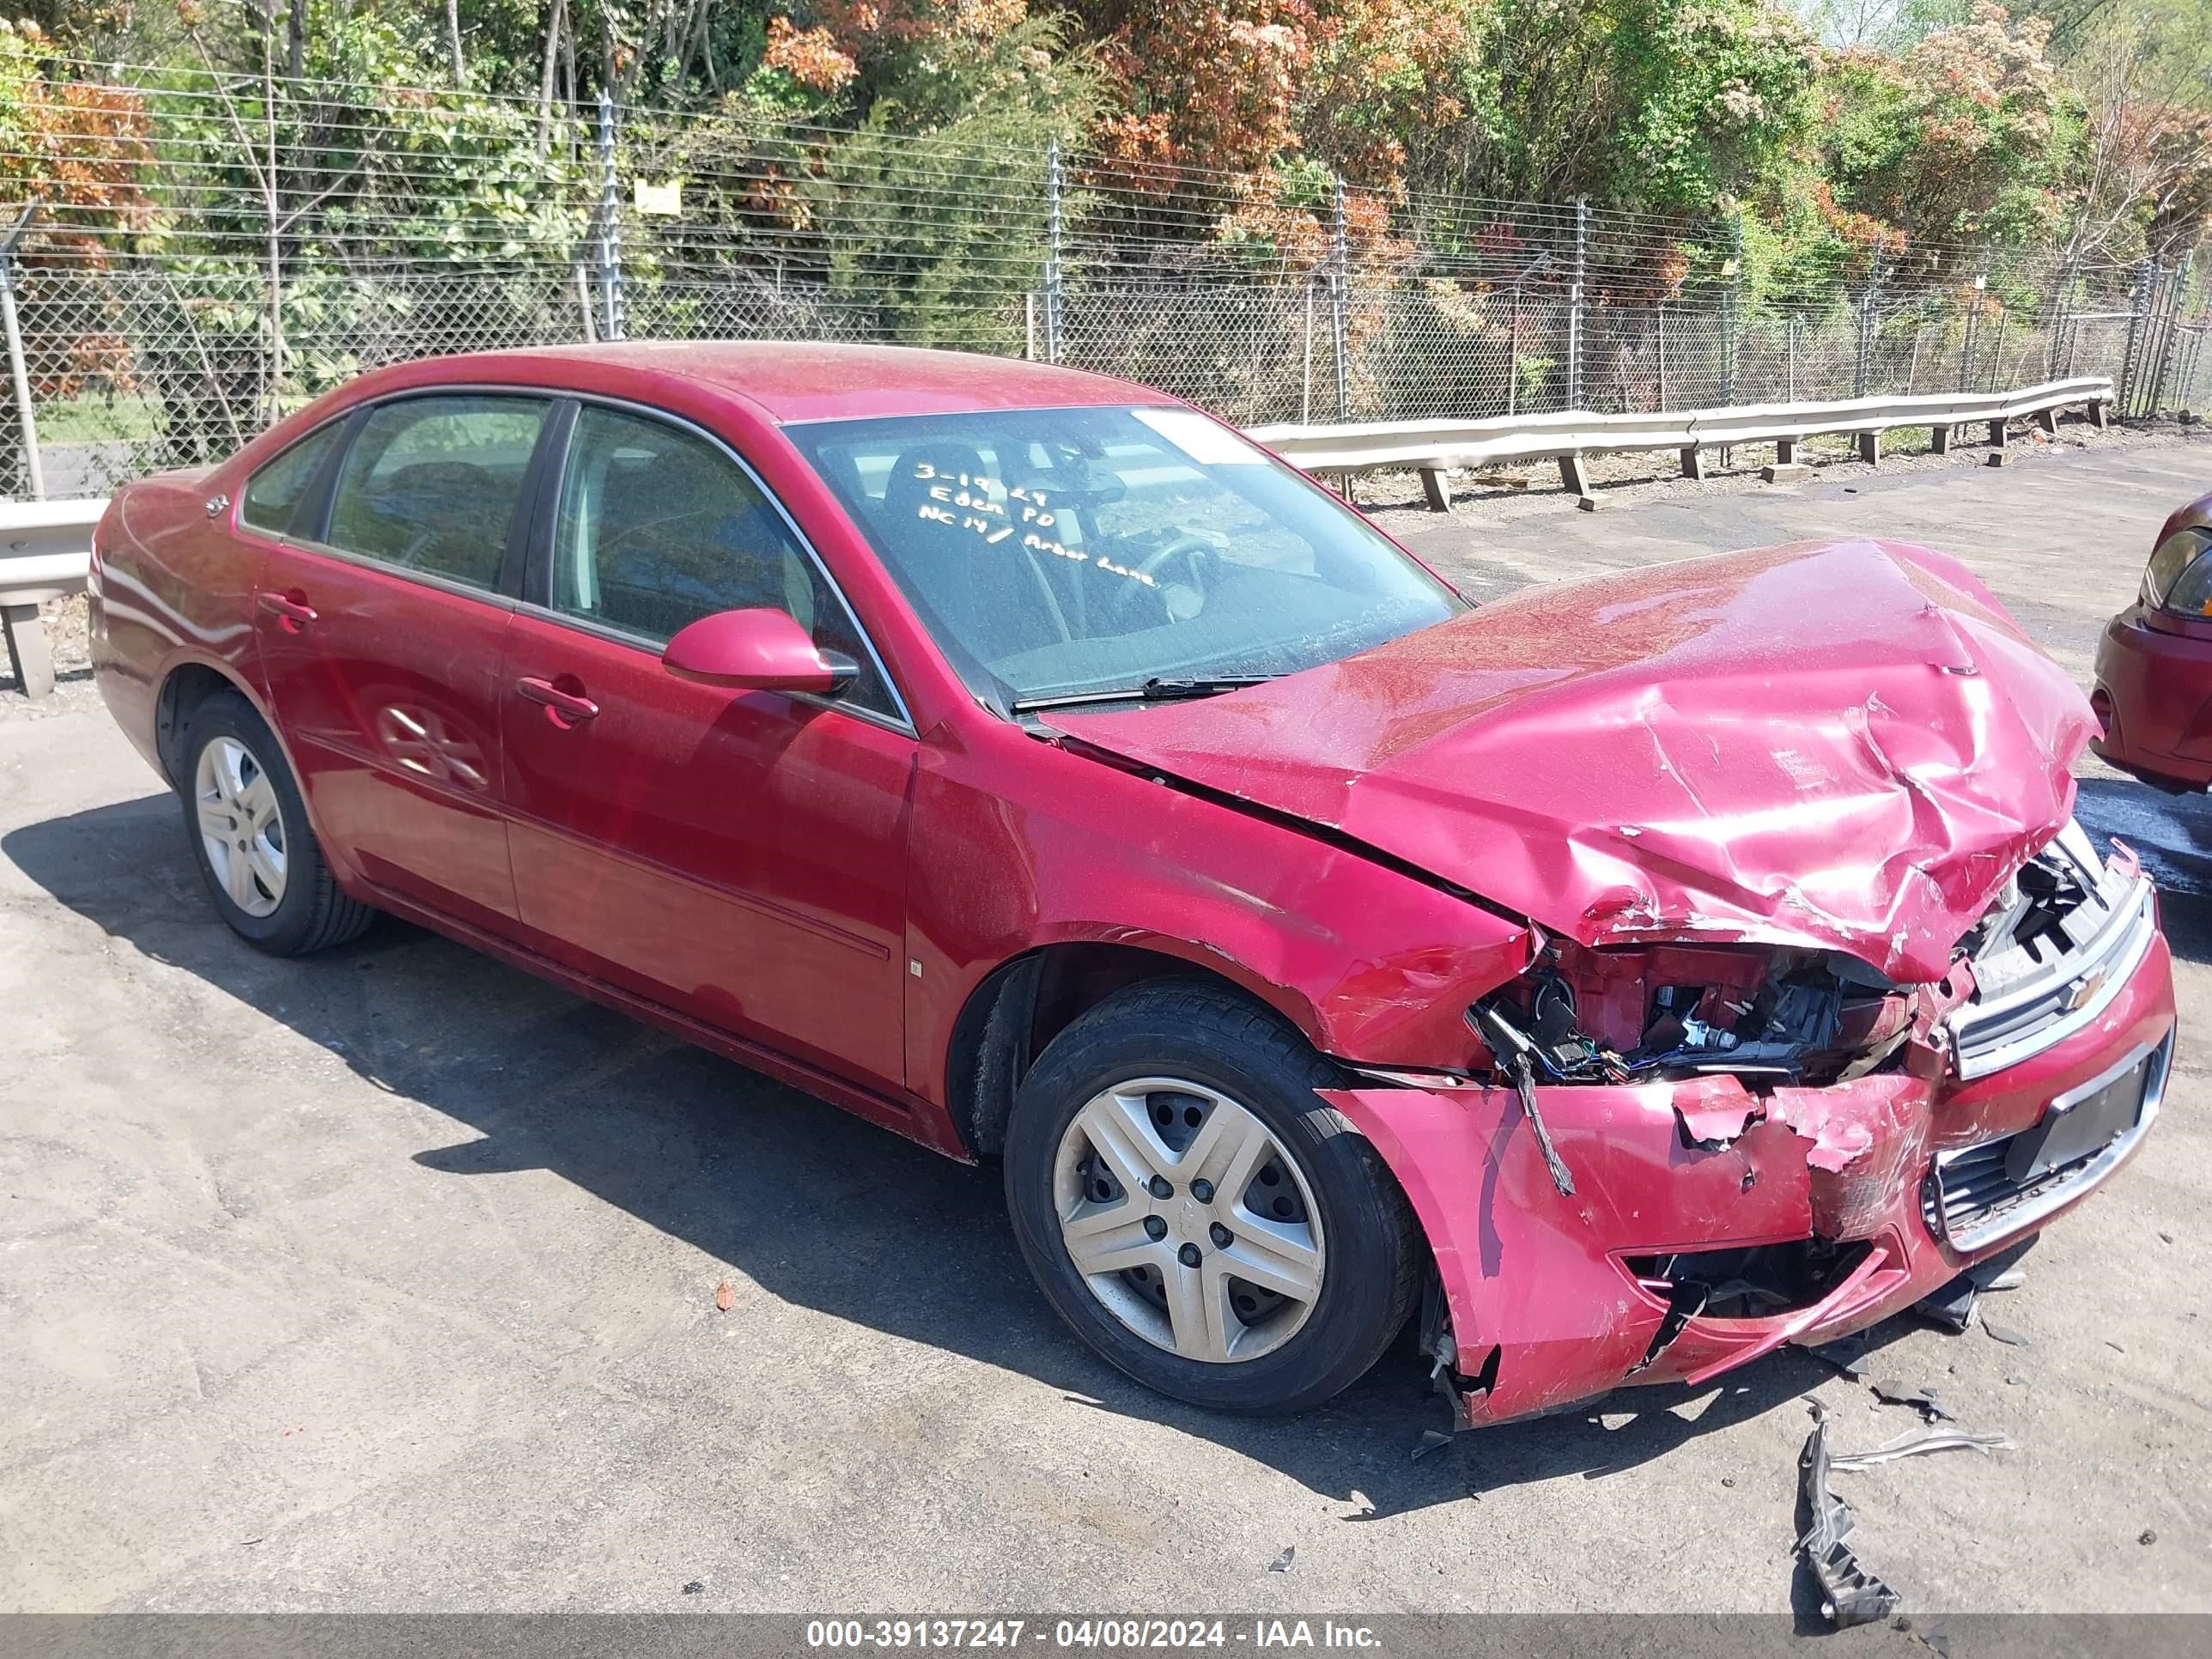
[382, 635]
[740, 856]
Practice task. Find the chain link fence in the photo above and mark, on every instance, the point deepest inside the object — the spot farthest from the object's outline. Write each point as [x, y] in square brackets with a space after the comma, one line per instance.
[209, 251]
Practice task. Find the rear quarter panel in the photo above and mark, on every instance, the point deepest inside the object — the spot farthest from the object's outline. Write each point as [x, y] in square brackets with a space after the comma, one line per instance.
[169, 587]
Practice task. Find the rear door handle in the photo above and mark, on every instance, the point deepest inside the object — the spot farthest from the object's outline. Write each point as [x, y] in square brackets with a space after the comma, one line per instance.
[295, 613]
[565, 705]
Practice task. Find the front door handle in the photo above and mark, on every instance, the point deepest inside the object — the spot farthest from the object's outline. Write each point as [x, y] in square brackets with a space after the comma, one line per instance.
[566, 706]
[294, 613]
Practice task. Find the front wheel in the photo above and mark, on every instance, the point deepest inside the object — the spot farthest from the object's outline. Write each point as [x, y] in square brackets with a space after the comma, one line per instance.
[1197, 1214]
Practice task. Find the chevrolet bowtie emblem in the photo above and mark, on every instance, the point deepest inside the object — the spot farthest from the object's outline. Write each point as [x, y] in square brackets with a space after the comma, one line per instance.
[2085, 988]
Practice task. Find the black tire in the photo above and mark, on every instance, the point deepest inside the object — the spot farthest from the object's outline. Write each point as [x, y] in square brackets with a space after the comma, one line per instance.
[312, 914]
[1199, 1034]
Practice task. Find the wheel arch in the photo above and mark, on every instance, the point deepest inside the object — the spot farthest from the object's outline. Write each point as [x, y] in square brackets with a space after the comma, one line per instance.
[190, 681]
[1014, 1012]
[184, 686]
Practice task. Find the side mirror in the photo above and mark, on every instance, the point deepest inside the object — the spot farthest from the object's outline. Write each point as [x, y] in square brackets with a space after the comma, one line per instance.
[758, 650]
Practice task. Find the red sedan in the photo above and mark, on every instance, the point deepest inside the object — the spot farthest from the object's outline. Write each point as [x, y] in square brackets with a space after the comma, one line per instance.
[1621, 979]
[2153, 690]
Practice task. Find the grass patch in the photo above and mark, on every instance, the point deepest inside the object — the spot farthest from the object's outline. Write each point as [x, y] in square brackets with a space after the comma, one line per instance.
[99, 420]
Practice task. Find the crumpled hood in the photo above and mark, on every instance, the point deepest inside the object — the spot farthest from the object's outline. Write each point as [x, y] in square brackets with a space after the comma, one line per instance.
[1842, 745]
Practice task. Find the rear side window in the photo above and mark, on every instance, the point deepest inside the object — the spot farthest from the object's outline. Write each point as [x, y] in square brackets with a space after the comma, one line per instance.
[432, 485]
[274, 493]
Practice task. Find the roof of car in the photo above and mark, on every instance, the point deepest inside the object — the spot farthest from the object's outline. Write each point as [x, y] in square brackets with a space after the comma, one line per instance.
[806, 380]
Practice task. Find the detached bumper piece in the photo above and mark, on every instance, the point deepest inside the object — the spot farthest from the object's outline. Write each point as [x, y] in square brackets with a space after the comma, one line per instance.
[1849, 1594]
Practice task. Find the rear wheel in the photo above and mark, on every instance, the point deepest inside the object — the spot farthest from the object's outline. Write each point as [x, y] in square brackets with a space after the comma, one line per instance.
[249, 833]
[1197, 1214]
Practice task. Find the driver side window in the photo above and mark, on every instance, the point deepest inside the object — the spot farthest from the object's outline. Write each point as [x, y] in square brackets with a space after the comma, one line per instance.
[658, 528]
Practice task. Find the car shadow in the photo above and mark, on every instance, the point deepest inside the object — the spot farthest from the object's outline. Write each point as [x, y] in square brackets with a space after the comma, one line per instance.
[811, 1204]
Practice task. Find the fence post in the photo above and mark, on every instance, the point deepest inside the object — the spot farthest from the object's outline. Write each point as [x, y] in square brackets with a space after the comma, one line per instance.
[1862, 378]
[1793, 357]
[34, 470]
[1340, 275]
[1305, 369]
[1662, 332]
[2177, 287]
[613, 300]
[1052, 232]
[1732, 315]
[2138, 308]
[1513, 351]
[2056, 326]
[1574, 303]
[1971, 335]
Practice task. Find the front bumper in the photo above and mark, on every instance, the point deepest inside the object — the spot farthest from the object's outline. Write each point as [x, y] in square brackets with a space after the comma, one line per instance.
[1545, 1309]
[2154, 695]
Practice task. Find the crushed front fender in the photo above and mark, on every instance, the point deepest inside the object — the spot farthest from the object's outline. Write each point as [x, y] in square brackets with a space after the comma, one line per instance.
[1551, 1297]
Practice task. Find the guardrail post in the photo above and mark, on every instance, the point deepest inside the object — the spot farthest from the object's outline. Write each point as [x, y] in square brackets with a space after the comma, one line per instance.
[612, 299]
[29, 653]
[1574, 303]
[34, 470]
[1340, 281]
[1052, 231]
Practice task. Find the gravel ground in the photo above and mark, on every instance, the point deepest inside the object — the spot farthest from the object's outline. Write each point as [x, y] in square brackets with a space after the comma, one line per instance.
[388, 1280]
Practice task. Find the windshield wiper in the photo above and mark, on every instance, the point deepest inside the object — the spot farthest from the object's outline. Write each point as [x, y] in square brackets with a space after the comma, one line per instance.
[1155, 689]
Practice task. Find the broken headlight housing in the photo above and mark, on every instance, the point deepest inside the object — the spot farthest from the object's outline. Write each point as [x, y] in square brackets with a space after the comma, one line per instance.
[1669, 1011]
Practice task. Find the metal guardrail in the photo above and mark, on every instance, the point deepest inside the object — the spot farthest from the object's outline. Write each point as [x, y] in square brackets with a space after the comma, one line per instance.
[1434, 447]
[45, 551]
[46, 547]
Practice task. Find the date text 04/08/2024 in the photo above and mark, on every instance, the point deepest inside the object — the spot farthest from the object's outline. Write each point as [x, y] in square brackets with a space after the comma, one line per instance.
[1089, 1635]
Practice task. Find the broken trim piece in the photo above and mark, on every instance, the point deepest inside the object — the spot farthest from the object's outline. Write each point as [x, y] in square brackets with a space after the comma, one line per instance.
[1849, 1594]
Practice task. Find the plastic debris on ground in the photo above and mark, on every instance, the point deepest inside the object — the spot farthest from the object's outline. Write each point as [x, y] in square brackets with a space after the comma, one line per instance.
[1921, 1397]
[1849, 1594]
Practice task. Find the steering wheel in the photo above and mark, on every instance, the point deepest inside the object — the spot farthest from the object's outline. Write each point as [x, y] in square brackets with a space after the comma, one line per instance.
[1194, 549]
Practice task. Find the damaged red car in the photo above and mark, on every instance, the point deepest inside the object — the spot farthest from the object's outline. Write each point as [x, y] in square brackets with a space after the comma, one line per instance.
[1621, 980]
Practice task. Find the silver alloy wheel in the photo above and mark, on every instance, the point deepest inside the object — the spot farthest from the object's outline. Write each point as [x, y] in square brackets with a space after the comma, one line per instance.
[241, 825]
[1189, 1220]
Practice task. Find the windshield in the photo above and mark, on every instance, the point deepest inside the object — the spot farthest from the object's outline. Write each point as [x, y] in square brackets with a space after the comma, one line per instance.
[1073, 554]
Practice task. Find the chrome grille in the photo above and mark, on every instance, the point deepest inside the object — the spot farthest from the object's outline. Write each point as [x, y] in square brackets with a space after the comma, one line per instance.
[2030, 993]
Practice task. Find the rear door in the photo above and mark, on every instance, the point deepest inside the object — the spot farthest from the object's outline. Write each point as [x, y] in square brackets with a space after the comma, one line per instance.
[740, 856]
[381, 631]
